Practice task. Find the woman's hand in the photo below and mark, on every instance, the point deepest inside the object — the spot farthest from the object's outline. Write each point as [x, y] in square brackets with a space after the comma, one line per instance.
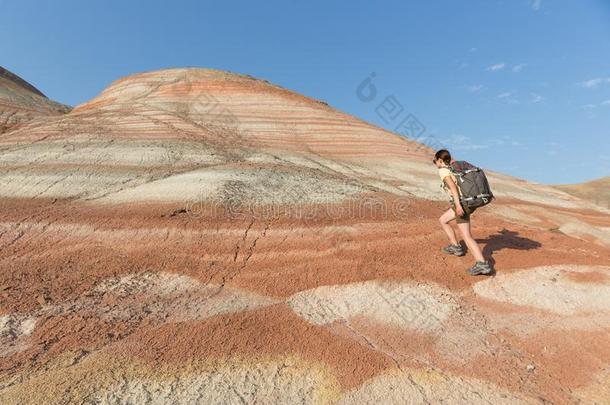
[459, 210]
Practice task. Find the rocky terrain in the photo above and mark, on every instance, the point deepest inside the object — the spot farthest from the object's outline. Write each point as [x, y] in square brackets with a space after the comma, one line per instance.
[193, 235]
[22, 103]
[596, 191]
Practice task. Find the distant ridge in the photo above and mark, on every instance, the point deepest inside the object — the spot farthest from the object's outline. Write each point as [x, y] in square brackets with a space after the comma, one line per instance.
[21, 103]
[6, 74]
[597, 191]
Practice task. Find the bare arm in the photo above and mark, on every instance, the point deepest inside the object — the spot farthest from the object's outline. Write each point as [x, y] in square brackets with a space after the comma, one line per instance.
[455, 194]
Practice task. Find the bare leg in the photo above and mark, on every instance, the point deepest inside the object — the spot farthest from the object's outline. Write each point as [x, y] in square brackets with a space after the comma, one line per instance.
[449, 215]
[470, 242]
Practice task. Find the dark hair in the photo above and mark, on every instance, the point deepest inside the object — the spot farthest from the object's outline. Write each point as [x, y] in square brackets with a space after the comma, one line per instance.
[443, 155]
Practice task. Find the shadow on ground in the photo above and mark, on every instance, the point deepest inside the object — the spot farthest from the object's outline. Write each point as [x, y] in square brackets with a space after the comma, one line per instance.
[506, 239]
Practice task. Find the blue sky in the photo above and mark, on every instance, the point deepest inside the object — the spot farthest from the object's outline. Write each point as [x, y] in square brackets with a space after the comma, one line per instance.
[518, 86]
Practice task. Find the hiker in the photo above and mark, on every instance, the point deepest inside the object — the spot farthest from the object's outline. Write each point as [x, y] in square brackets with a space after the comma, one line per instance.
[460, 212]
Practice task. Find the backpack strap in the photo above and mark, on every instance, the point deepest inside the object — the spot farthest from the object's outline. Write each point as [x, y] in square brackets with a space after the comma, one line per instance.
[452, 169]
[459, 170]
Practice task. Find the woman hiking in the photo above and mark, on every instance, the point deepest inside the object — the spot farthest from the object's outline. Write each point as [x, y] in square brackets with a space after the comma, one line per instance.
[461, 214]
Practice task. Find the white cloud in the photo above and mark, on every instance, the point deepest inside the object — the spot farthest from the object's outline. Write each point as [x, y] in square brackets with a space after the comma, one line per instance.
[536, 98]
[508, 97]
[473, 49]
[497, 66]
[461, 142]
[594, 83]
[588, 106]
[503, 141]
[556, 145]
[519, 67]
[607, 102]
[473, 88]
[535, 4]
[472, 146]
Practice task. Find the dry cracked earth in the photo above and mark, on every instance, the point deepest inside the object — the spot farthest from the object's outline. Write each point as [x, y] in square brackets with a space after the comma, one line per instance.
[198, 236]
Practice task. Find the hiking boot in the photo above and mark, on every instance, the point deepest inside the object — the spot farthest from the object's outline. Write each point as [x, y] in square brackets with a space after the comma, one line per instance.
[483, 268]
[456, 250]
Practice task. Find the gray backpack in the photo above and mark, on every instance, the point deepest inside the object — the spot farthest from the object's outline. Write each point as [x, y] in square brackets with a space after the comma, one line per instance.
[472, 183]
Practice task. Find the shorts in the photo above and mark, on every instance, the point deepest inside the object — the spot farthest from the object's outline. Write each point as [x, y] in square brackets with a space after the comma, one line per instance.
[464, 218]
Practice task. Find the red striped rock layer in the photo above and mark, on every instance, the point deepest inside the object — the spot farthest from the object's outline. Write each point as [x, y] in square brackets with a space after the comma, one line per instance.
[22, 103]
[261, 114]
[182, 133]
[149, 304]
